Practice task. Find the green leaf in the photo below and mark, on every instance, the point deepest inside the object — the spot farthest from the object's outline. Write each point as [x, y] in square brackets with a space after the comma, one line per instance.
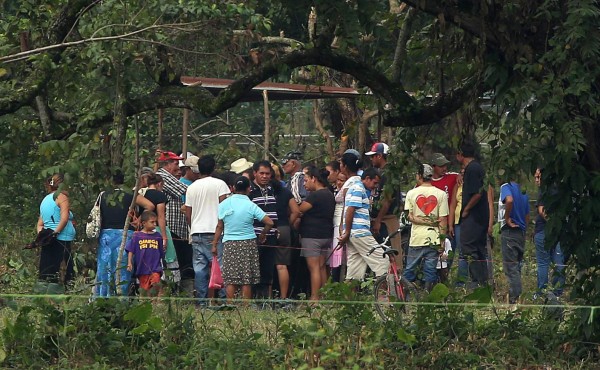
[139, 314]
[481, 295]
[155, 323]
[438, 293]
[140, 329]
[405, 337]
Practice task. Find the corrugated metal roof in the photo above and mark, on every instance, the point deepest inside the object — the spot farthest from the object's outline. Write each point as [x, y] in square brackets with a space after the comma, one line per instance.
[276, 91]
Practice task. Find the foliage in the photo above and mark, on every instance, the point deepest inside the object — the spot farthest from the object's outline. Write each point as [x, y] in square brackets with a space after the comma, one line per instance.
[67, 106]
[338, 334]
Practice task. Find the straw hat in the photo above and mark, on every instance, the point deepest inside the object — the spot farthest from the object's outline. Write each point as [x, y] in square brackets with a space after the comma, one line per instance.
[241, 165]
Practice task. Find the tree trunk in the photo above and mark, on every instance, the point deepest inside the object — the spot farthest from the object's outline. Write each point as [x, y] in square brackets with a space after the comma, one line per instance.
[324, 133]
[120, 120]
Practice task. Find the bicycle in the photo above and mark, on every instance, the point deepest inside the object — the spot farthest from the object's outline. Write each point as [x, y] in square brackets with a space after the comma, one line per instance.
[392, 289]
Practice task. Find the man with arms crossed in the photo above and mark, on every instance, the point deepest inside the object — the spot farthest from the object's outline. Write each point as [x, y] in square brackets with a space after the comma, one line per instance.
[427, 208]
[475, 214]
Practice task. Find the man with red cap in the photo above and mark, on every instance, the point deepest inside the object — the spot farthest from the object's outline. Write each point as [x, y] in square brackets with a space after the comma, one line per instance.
[174, 190]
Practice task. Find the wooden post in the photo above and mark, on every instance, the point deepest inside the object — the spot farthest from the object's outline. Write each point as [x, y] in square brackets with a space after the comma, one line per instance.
[186, 121]
[267, 141]
[161, 113]
[138, 164]
[160, 127]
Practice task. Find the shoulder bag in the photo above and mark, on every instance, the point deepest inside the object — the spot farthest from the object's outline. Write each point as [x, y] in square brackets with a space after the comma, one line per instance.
[94, 222]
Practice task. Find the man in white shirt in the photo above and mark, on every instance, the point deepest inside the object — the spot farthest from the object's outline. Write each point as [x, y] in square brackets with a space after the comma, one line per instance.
[202, 206]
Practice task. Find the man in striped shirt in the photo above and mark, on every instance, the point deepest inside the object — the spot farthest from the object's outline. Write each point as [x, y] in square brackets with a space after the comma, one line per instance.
[262, 194]
[357, 228]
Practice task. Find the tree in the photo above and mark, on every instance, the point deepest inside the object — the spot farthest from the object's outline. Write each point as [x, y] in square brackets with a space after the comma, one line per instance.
[536, 59]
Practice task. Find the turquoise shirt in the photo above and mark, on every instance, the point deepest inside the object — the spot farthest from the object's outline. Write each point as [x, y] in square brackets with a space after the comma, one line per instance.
[50, 214]
[187, 182]
[238, 213]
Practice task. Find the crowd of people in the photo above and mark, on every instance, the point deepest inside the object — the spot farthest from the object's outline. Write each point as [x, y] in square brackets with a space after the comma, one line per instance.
[252, 223]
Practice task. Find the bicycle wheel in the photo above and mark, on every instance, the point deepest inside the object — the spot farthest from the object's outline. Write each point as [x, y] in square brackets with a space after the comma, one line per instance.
[388, 297]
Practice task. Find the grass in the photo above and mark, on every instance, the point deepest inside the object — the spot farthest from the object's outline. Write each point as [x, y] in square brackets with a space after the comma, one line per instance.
[342, 332]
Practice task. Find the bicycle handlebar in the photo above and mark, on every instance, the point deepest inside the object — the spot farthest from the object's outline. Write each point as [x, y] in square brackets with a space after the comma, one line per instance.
[383, 244]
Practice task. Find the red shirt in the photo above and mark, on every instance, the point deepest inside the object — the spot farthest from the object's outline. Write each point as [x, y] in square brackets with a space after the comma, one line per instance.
[446, 183]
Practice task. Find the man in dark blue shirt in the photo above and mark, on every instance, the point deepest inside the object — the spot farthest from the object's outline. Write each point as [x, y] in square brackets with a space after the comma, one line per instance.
[475, 215]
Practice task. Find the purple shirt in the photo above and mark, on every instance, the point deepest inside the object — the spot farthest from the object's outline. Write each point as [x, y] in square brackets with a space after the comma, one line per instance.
[148, 251]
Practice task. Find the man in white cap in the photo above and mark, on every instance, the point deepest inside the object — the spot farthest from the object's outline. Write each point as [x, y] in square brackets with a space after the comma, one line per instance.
[190, 171]
[383, 219]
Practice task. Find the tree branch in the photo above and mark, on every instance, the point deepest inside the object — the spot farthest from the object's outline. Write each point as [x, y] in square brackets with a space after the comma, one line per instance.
[463, 16]
[440, 107]
[36, 80]
[363, 72]
[400, 53]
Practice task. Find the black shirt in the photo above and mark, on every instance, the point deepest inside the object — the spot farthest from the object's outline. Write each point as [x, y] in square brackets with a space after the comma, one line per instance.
[114, 205]
[376, 197]
[317, 222]
[155, 196]
[474, 184]
[282, 198]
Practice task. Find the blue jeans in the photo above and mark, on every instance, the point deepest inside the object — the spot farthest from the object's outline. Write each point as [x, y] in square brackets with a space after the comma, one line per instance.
[544, 258]
[201, 259]
[108, 253]
[413, 260]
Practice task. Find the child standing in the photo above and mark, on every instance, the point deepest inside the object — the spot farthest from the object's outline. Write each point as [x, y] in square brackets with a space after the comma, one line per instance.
[148, 249]
[442, 265]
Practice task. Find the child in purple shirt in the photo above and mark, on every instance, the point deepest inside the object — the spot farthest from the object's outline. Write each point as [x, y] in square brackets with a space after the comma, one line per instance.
[147, 247]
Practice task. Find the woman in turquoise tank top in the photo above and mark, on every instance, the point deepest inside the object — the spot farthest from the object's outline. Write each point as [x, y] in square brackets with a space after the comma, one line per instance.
[56, 215]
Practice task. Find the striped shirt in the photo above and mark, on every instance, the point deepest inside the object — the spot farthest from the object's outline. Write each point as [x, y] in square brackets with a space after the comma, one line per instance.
[357, 196]
[174, 189]
[264, 198]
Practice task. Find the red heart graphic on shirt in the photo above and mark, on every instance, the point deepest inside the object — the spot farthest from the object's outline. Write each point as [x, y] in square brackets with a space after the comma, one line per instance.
[426, 204]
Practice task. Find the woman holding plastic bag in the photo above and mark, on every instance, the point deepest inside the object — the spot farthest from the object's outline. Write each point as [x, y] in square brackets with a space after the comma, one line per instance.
[240, 254]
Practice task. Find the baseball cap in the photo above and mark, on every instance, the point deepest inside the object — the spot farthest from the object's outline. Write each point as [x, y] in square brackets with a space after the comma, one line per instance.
[438, 159]
[168, 156]
[146, 170]
[192, 163]
[353, 151]
[427, 171]
[187, 155]
[379, 148]
[291, 155]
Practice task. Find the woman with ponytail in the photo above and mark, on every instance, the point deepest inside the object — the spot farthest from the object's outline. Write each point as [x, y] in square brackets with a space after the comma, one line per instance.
[55, 214]
[316, 227]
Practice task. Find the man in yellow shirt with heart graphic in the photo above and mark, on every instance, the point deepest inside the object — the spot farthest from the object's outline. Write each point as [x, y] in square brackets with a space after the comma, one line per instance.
[427, 208]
